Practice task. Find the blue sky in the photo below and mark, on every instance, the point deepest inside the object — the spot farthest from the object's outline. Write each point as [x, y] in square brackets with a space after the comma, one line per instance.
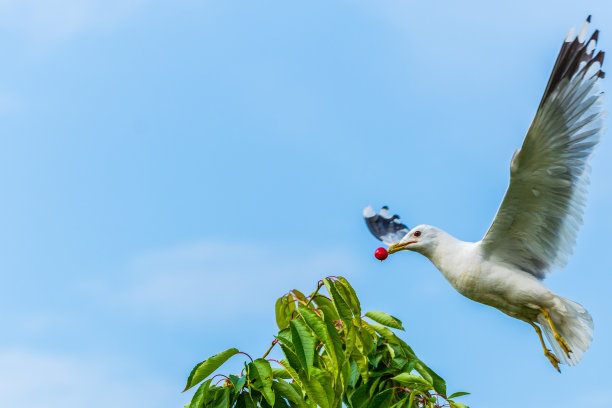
[167, 169]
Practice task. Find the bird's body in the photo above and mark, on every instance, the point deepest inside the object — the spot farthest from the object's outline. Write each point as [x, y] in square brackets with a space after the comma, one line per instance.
[535, 227]
[466, 269]
[513, 291]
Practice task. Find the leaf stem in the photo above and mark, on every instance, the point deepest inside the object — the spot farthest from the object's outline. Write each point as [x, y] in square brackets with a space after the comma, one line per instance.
[242, 352]
[223, 378]
[270, 349]
[315, 292]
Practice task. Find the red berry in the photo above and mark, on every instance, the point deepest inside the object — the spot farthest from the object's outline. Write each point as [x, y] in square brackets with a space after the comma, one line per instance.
[381, 254]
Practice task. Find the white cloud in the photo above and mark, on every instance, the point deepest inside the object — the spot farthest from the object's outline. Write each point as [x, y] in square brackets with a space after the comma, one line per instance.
[48, 22]
[223, 277]
[33, 379]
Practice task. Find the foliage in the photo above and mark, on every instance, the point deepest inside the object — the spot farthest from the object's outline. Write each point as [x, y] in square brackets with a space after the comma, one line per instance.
[332, 356]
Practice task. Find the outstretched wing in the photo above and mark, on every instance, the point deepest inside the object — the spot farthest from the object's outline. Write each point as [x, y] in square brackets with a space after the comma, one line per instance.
[536, 225]
[387, 229]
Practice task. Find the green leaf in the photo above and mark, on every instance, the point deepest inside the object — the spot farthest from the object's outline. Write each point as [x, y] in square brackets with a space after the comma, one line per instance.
[344, 311]
[320, 328]
[457, 394]
[284, 336]
[292, 358]
[299, 295]
[385, 319]
[438, 382]
[304, 343]
[362, 364]
[247, 400]
[281, 403]
[373, 386]
[293, 373]
[240, 403]
[396, 350]
[327, 306]
[412, 381]
[360, 397]
[344, 378]
[280, 372]
[316, 324]
[240, 383]
[375, 360]
[407, 349]
[413, 394]
[315, 391]
[454, 404]
[222, 399]
[325, 379]
[382, 399]
[399, 363]
[400, 403]
[365, 341]
[281, 319]
[284, 310]
[198, 398]
[287, 391]
[334, 337]
[207, 367]
[263, 373]
[355, 374]
[368, 327]
[349, 295]
[350, 339]
[385, 333]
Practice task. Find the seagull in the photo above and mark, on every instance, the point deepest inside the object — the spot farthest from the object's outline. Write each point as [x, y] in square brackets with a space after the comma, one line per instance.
[537, 222]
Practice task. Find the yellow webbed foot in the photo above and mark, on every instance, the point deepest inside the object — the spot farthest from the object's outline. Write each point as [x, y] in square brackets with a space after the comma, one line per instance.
[563, 345]
[566, 348]
[554, 360]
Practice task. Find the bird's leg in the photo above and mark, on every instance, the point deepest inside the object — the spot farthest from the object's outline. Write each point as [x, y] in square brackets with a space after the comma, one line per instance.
[554, 360]
[558, 337]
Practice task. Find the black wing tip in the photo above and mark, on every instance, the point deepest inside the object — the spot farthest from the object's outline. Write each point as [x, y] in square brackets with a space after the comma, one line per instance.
[384, 228]
[575, 52]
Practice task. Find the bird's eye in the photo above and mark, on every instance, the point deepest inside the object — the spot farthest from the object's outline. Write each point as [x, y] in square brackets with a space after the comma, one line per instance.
[417, 233]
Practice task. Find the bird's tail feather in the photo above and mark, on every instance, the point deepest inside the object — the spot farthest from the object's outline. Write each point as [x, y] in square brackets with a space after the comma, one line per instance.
[574, 324]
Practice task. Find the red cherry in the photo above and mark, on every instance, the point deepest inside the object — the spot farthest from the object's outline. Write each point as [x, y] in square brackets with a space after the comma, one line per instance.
[381, 254]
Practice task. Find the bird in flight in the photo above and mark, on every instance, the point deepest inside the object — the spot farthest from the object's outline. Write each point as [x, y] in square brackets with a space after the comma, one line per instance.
[537, 222]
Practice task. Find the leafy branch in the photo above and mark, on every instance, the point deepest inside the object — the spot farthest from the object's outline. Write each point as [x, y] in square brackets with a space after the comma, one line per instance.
[332, 356]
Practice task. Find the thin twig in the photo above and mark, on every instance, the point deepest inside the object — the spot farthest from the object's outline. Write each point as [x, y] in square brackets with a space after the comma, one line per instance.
[270, 349]
[242, 352]
[315, 292]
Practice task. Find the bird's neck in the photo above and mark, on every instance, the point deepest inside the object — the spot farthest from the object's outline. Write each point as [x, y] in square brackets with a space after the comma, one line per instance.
[452, 256]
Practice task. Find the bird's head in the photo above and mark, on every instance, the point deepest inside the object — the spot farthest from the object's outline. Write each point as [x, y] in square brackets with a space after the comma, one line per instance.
[422, 239]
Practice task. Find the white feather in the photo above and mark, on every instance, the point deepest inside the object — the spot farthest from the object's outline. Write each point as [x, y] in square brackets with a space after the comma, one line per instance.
[368, 212]
[590, 46]
[536, 231]
[570, 35]
[583, 32]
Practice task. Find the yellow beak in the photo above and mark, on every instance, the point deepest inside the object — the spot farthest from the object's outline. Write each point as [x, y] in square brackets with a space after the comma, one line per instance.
[399, 247]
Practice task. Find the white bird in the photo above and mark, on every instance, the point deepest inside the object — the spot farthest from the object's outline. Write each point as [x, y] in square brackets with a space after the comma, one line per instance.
[536, 225]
